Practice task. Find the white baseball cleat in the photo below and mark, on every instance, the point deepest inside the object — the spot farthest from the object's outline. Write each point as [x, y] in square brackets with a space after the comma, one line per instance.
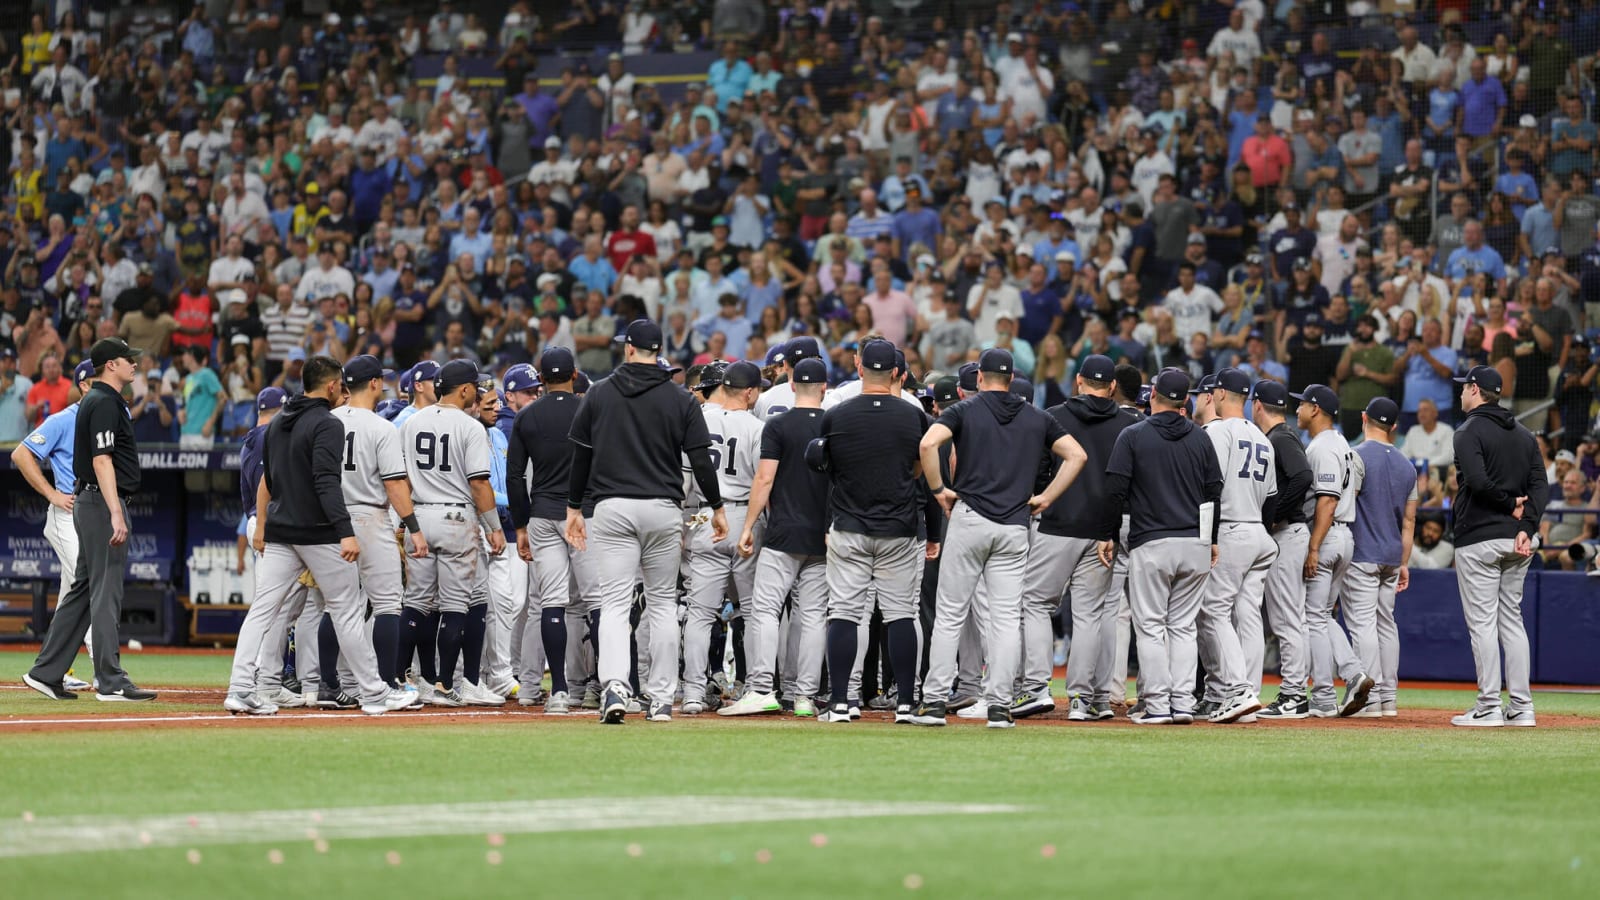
[240, 703]
[751, 704]
[1235, 708]
[1480, 718]
[1521, 717]
[559, 704]
[978, 711]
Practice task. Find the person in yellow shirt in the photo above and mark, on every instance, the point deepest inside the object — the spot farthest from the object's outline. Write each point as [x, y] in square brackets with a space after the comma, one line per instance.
[35, 47]
[307, 215]
[28, 183]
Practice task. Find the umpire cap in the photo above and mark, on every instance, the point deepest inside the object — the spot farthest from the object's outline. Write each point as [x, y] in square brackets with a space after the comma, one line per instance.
[107, 349]
[454, 374]
[361, 369]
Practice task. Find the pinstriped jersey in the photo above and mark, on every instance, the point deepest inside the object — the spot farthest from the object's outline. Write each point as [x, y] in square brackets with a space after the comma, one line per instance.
[735, 449]
[444, 448]
[1333, 474]
[371, 456]
[1249, 472]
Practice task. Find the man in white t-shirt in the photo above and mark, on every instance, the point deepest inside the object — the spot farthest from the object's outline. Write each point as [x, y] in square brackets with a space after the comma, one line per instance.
[990, 297]
[1193, 305]
[1148, 168]
[327, 279]
[1239, 38]
[1028, 85]
[1335, 254]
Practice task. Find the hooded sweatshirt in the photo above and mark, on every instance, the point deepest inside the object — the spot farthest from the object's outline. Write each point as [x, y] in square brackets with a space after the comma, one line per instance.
[304, 452]
[631, 433]
[1167, 470]
[998, 440]
[1497, 461]
[1095, 422]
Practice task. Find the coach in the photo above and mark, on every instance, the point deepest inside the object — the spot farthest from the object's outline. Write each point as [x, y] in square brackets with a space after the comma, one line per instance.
[1498, 505]
[632, 432]
[105, 469]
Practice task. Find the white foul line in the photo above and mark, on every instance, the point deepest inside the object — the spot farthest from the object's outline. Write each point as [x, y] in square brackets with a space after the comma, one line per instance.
[75, 834]
[314, 716]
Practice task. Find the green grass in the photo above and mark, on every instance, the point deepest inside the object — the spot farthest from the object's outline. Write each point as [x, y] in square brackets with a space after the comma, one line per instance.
[1202, 811]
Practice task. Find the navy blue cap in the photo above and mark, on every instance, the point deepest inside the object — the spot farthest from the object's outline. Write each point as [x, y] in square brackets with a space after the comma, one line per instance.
[363, 368]
[801, 348]
[817, 454]
[1270, 392]
[996, 360]
[810, 371]
[775, 355]
[944, 390]
[83, 372]
[455, 373]
[967, 377]
[1383, 411]
[642, 334]
[1310, 320]
[580, 383]
[406, 382]
[1208, 383]
[270, 398]
[1233, 380]
[1023, 388]
[557, 364]
[1485, 377]
[1321, 396]
[1172, 384]
[743, 375]
[426, 370]
[521, 377]
[877, 355]
[1098, 368]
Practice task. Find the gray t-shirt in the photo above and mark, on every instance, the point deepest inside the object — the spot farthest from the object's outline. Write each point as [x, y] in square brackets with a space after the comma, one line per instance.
[946, 337]
[1446, 236]
[1172, 220]
[1360, 143]
[1577, 224]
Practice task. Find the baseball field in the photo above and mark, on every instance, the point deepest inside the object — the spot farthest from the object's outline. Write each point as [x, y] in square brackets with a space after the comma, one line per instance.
[175, 799]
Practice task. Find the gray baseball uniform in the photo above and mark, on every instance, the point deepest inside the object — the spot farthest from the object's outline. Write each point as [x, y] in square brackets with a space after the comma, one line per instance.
[372, 457]
[1230, 608]
[444, 449]
[1334, 473]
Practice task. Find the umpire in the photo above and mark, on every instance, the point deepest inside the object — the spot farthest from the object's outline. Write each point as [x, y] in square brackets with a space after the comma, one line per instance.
[1166, 469]
[105, 469]
[1499, 503]
[631, 434]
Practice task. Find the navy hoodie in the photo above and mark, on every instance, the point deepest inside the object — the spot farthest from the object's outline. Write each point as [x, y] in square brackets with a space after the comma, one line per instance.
[631, 434]
[1497, 461]
[304, 453]
[1003, 435]
[1095, 422]
[1166, 469]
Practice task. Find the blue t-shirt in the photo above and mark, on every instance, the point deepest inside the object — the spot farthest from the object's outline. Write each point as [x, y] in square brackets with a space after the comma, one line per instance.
[1480, 103]
[1423, 383]
[1390, 482]
[1038, 310]
[1509, 183]
[1539, 225]
[52, 442]
[1569, 161]
[1464, 262]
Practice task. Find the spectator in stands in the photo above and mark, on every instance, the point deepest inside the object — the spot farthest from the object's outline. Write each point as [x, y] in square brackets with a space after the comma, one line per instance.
[1430, 440]
[203, 400]
[1431, 550]
[1429, 367]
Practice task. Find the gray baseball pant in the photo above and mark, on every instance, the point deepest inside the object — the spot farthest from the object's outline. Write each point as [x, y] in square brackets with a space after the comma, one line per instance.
[978, 551]
[862, 566]
[307, 628]
[1054, 563]
[1388, 649]
[1284, 604]
[448, 577]
[790, 636]
[1165, 580]
[972, 648]
[1330, 650]
[711, 568]
[93, 603]
[269, 665]
[508, 603]
[1490, 575]
[1230, 616]
[1365, 586]
[777, 573]
[555, 578]
[629, 537]
[338, 581]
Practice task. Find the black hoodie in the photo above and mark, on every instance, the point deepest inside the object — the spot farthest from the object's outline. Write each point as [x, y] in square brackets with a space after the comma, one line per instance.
[1095, 422]
[1166, 469]
[303, 451]
[998, 439]
[631, 433]
[1497, 461]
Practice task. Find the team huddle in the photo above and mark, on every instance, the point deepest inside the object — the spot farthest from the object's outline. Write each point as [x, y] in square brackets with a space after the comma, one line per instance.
[910, 547]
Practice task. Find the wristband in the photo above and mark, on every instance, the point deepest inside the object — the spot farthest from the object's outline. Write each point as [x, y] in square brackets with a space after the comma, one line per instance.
[410, 522]
[489, 520]
[936, 490]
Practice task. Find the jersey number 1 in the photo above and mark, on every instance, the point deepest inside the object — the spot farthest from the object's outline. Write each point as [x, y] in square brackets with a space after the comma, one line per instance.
[350, 452]
[425, 450]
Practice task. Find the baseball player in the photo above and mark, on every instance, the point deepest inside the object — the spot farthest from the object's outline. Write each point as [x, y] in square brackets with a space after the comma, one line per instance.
[105, 462]
[1063, 550]
[508, 572]
[735, 452]
[447, 460]
[793, 553]
[390, 409]
[375, 480]
[1168, 474]
[1133, 396]
[52, 442]
[1001, 438]
[1284, 600]
[1335, 479]
[869, 446]
[1386, 518]
[781, 396]
[1499, 501]
[424, 393]
[1230, 617]
[539, 445]
[631, 433]
[270, 683]
[307, 527]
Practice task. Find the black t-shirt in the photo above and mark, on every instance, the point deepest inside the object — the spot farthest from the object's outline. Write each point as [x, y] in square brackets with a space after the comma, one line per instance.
[1294, 474]
[1312, 365]
[873, 444]
[105, 429]
[797, 512]
[1003, 437]
[540, 437]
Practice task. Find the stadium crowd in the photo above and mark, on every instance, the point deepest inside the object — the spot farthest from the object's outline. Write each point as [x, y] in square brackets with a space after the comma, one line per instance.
[1371, 195]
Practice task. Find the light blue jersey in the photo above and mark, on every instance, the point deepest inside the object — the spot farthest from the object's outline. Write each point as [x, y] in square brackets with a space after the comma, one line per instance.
[404, 414]
[52, 442]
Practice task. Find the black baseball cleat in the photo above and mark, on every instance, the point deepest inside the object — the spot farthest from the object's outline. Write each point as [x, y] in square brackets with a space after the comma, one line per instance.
[1000, 716]
[336, 700]
[613, 706]
[930, 714]
[1355, 695]
[53, 691]
[129, 694]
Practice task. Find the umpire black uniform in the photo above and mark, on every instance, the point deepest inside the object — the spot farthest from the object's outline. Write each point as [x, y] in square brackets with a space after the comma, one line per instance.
[106, 470]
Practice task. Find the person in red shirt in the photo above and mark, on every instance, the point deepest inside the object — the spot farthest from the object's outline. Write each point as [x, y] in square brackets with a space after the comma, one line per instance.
[628, 241]
[50, 394]
[194, 312]
[1266, 154]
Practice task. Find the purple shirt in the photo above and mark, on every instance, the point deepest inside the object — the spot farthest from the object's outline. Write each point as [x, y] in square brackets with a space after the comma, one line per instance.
[541, 108]
[1481, 103]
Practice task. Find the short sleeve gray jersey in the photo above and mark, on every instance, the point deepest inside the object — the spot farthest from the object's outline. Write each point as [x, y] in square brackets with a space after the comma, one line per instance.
[371, 456]
[1249, 475]
[1333, 474]
[735, 449]
[445, 448]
